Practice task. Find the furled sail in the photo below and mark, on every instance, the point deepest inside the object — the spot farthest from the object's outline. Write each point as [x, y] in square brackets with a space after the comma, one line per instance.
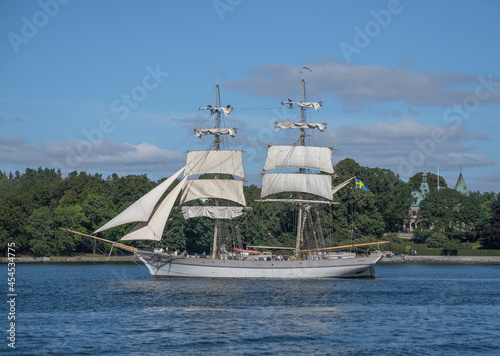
[153, 229]
[299, 125]
[305, 104]
[299, 156]
[220, 131]
[295, 182]
[216, 188]
[222, 162]
[213, 212]
[142, 208]
[226, 110]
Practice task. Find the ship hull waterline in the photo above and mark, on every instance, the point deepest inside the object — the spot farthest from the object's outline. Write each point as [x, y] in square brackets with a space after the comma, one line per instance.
[164, 266]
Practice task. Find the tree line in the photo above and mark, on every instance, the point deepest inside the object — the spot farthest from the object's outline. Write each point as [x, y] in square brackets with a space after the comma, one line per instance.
[34, 204]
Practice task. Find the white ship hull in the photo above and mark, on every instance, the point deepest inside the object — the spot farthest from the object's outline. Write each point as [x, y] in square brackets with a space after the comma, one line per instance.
[177, 266]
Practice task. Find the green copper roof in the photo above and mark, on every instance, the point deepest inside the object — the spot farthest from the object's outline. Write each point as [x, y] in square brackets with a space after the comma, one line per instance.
[461, 187]
[420, 194]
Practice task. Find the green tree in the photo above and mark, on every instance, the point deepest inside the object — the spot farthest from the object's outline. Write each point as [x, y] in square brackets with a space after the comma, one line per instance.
[443, 212]
[15, 208]
[40, 228]
[392, 196]
[358, 209]
[71, 217]
[436, 240]
[452, 246]
[491, 237]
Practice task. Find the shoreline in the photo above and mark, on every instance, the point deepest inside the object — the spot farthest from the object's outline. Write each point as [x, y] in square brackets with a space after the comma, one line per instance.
[456, 260]
[72, 259]
[460, 260]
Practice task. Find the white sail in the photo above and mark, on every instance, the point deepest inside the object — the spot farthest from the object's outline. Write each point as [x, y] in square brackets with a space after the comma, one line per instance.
[153, 229]
[142, 208]
[213, 212]
[220, 131]
[226, 110]
[306, 104]
[217, 188]
[299, 125]
[222, 162]
[299, 156]
[295, 182]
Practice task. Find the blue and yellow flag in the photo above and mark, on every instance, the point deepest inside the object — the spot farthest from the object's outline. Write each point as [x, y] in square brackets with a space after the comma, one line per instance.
[360, 185]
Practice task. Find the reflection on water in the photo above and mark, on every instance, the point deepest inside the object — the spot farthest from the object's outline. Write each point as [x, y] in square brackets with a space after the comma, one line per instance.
[120, 309]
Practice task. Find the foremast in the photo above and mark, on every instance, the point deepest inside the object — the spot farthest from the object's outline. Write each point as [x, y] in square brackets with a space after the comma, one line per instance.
[152, 213]
[217, 110]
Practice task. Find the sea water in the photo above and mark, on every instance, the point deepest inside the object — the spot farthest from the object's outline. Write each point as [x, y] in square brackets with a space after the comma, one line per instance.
[118, 309]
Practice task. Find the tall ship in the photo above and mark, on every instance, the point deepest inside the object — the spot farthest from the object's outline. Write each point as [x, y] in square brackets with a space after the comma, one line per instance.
[210, 185]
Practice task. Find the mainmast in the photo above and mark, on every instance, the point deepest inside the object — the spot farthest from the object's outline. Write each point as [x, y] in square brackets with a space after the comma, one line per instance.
[217, 148]
[302, 157]
[217, 115]
[301, 217]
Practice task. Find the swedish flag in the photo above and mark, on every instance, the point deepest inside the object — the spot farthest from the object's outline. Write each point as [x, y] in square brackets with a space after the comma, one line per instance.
[360, 185]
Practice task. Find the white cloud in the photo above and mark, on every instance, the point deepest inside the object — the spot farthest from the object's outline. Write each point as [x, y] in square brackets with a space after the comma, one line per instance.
[407, 147]
[106, 156]
[379, 144]
[358, 85]
[484, 183]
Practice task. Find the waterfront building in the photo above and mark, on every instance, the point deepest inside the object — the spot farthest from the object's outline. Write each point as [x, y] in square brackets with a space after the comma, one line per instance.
[411, 223]
[418, 195]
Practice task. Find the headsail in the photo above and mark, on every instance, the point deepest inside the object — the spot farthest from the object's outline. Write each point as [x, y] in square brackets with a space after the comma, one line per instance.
[141, 210]
[153, 229]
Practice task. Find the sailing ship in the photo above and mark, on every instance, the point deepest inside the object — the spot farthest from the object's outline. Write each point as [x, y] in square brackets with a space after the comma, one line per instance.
[311, 184]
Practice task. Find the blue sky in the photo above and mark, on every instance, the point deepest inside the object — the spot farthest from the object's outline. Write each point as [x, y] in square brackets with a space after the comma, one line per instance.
[115, 86]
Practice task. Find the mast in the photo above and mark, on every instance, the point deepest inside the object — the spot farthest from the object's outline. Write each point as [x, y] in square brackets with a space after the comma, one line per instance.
[152, 215]
[302, 157]
[300, 222]
[217, 132]
[217, 115]
[217, 148]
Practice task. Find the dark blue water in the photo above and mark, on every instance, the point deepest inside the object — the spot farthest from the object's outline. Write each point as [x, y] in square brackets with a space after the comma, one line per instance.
[118, 309]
